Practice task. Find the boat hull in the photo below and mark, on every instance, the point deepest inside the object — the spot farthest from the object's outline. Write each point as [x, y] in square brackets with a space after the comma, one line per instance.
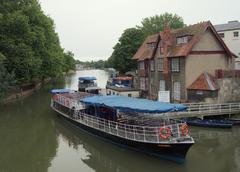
[171, 151]
[209, 123]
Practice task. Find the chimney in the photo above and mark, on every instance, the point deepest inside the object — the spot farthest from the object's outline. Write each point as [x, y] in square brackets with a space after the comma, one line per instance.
[167, 41]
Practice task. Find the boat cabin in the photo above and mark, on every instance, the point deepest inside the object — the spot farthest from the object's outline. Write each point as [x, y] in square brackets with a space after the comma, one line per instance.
[88, 84]
[122, 86]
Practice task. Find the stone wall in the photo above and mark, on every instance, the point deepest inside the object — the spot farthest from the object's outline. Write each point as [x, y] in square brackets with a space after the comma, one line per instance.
[229, 90]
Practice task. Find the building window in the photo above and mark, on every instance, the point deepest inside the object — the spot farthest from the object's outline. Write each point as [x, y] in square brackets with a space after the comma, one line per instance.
[162, 85]
[141, 65]
[221, 35]
[146, 83]
[152, 65]
[176, 90]
[142, 83]
[175, 65]
[182, 40]
[199, 92]
[151, 45]
[235, 34]
[160, 64]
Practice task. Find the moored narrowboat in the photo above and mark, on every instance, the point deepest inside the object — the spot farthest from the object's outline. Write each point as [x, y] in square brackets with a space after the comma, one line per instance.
[137, 124]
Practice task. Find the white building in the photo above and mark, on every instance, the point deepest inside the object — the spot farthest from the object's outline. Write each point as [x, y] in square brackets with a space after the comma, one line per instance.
[230, 33]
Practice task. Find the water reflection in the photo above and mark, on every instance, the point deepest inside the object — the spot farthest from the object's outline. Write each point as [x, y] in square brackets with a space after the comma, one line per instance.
[105, 157]
[215, 149]
[28, 139]
[34, 138]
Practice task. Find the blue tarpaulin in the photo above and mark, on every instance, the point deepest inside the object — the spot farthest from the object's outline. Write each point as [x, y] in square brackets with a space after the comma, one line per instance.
[128, 104]
[56, 91]
[88, 78]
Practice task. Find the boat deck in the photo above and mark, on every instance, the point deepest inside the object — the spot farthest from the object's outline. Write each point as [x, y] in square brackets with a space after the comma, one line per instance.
[76, 95]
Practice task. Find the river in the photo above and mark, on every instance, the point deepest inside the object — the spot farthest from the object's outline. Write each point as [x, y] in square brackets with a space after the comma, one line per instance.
[35, 139]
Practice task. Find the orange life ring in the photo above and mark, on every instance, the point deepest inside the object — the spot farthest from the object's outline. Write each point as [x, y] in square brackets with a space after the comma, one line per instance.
[184, 129]
[165, 132]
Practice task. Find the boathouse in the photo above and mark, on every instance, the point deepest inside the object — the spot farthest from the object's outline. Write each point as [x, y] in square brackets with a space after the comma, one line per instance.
[171, 61]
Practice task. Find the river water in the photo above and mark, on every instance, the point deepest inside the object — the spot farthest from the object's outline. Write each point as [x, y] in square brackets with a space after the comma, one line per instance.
[35, 139]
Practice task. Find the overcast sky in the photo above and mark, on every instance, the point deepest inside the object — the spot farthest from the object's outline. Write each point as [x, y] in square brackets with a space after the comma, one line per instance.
[90, 28]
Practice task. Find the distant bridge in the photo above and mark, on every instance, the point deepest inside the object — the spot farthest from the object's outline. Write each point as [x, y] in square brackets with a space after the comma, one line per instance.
[203, 109]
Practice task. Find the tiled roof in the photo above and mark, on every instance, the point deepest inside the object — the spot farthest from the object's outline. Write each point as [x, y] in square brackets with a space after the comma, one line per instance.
[195, 31]
[228, 26]
[204, 82]
[144, 52]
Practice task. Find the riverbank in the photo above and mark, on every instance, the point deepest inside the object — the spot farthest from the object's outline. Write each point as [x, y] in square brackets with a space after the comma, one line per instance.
[24, 92]
[29, 89]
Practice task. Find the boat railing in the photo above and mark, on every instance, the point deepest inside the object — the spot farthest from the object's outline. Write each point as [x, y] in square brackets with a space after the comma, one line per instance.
[206, 109]
[131, 132]
[212, 107]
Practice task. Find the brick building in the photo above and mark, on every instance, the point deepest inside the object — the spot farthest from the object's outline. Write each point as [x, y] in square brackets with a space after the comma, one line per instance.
[173, 59]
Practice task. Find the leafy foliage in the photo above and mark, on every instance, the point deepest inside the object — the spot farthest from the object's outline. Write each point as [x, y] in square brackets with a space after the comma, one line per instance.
[6, 79]
[29, 43]
[131, 40]
[100, 64]
[155, 24]
[124, 50]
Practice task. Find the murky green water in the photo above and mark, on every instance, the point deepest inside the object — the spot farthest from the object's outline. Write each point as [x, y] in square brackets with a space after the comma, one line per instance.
[34, 139]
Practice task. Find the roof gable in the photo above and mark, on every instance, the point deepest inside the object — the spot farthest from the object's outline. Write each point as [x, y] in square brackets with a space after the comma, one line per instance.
[144, 52]
[204, 82]
[196, 32]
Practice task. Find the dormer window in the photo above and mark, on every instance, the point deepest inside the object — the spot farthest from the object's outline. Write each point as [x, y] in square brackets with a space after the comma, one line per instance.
[152, 45]
[182, 40]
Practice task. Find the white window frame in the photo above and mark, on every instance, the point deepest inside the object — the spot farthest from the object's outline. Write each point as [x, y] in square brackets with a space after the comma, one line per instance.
[177, 90]
[199, 92]
[146, 83]
[152, 65]
[175, 64]
[142, 83]
[162, 86]
[160, 64]
[152, 45]
[182, 40]
[141, 65]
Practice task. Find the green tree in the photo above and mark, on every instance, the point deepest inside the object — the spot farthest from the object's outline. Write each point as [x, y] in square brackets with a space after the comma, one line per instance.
[155, 24]
[69, 61]
[124, 50]
[29, 42]
[6, 79]
[132, 38]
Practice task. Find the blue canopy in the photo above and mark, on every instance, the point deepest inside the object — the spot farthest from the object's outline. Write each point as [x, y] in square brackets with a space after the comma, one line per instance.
[57, 91]
[88, 78]
[128, 104]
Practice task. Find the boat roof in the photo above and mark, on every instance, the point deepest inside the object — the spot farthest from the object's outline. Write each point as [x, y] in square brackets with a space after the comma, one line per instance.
[88, 78]
[57, 91]
[128, 104]
[123, 78]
